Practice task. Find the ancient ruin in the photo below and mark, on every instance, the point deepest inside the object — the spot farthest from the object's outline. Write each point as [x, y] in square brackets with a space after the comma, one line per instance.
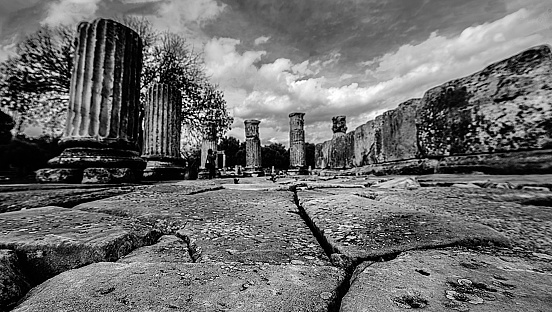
[253, 148]
[101, 135]
[209, 142]
[161, 146]
[493, 121]
[297, 147]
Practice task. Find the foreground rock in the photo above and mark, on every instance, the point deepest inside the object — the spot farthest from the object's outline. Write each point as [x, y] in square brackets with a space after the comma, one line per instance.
[449, 280]
[361, 228]
[187, 287]
[12, 283]
[51, 240]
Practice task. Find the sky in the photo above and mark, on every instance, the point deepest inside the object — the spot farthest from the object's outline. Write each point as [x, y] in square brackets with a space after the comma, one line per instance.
[325, 58]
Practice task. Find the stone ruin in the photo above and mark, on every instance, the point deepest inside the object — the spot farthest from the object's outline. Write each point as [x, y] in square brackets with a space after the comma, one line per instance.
[101, 138]
[162, 133]
[253, 166]
[498, 120]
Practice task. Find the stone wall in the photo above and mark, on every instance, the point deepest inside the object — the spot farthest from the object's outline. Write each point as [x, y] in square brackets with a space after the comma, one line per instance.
[504, 109]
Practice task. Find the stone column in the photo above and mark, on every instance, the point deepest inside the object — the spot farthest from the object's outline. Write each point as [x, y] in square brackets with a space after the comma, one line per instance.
[253, 166]
[161, 147]
[297, 147]
[102, 130]
[339, 147]
[209, 143]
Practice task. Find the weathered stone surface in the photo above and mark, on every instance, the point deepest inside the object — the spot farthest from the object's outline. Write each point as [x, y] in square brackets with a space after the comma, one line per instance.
[51, 240]
[41, 195]
[225, 224]
[504, 107]
[398, 132]
[322, 154]
[159, 205]
[187, 287]
[13, 284]
[449, 280]
[168, 248]
[362, 228]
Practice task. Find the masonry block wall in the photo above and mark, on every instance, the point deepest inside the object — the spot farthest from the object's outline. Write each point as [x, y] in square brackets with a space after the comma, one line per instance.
[498, 120]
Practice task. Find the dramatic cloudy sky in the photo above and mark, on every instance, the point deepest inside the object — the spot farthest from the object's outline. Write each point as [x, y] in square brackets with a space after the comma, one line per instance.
[323, 57]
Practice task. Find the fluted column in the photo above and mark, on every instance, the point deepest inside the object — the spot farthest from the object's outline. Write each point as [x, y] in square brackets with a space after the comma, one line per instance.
[339, 147]
[252, 147]
[161, 147]
[297, 148]
[209, 143]
[102, 130]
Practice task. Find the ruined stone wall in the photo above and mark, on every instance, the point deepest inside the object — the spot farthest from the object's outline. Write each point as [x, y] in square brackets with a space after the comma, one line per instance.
[502, 111]
[505, 107]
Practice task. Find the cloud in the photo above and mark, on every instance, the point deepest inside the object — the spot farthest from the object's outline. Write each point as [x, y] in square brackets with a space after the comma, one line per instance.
[70, 11]
[261, 40]
[271, 91]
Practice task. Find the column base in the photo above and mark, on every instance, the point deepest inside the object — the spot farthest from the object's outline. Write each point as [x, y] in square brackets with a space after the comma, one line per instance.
[157, 170]
[298, 171]
[253, 173]
[89, 175]
[203, 174]
[59, 175]
[89, 157]
[111, 175]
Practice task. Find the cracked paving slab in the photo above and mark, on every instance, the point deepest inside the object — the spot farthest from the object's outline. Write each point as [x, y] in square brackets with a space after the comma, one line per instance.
[225, 225]
[252, 226]
[50, 240]
[451, 279]
[198, 287]
[168, 248]
[361, 228]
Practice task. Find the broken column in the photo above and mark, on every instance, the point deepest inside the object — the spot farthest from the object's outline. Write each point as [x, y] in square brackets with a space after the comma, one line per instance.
[161, 146]
[339, 148]
[297, 148]
[253, 165]
[101, 135]
[209, 143]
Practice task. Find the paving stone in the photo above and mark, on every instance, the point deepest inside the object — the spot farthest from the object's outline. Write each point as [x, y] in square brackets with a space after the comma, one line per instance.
[13, 284]
[168, 248]
[450, 279]
[361, 228]
[51, 240]
[226, 225]
[252, 226]
[187, 287]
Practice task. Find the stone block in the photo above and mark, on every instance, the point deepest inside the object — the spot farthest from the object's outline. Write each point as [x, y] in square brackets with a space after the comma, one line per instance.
[59, 175]
[111, 175]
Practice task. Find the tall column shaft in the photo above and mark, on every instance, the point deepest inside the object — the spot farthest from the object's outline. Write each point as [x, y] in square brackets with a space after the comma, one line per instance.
[209, 143]
[339, 147]
[105, 87]
[252, 145]
[297, 147]
[162, 123]
[101, 135]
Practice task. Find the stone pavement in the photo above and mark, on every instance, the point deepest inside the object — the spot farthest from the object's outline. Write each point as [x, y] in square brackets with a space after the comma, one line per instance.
[310, 244]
